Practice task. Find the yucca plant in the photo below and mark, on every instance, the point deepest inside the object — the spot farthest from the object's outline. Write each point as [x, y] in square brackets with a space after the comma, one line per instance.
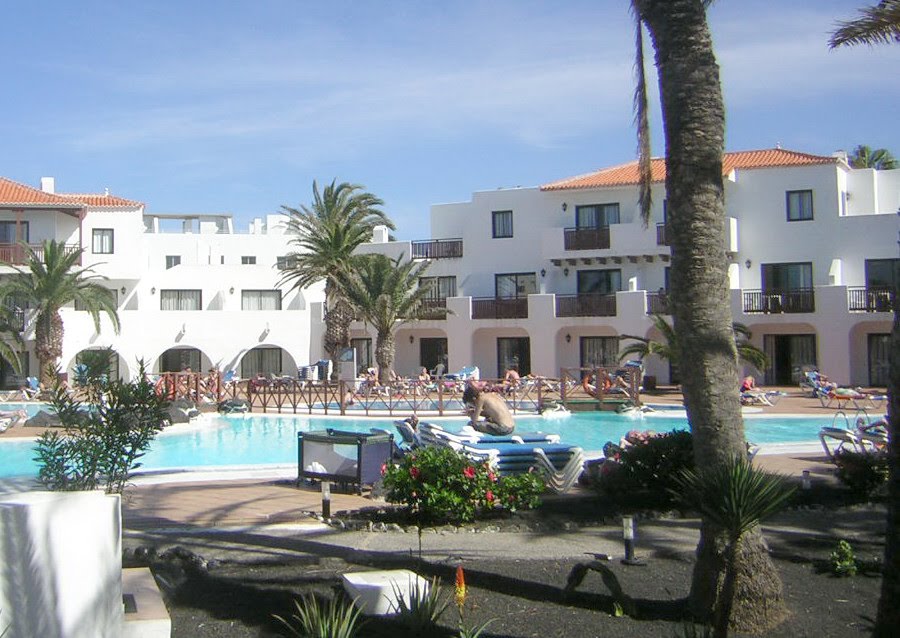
[733, 496]
[424, 607]
[314, 619]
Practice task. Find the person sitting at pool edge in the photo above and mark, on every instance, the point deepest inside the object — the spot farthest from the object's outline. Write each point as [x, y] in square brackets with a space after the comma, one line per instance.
[491, 406]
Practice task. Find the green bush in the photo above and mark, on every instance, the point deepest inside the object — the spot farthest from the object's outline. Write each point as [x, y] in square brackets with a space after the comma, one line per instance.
[863, 473]
[313, 619]
[439, 485]
[638, 476]
[103, 441]
[843, 561]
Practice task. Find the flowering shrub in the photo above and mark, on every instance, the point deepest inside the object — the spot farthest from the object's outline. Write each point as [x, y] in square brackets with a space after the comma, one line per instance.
[638, 476]
[439, 485]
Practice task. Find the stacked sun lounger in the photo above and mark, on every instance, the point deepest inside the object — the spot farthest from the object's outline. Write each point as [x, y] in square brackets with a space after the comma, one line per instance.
[560, 464]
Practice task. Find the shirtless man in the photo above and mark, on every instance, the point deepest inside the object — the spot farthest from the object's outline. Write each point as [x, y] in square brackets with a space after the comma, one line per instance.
[491, 406]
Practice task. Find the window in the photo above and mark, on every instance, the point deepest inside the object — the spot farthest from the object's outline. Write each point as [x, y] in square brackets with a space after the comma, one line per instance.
[8, 232]
[882, 273]
[172, 261]
[799, 205]
[180, 300]
[599, 351]
[286, 262]
[103, 241]
[510, 286]
[115, 294]
[180, 360]
[441, 287]
[596, 215]
[602, 282]
[879, 352]
[502, 223]
[363, 353]
[248, 260]
[788, 356]
[779, 277]
[513, 352]
[265, 361]
[260, 300]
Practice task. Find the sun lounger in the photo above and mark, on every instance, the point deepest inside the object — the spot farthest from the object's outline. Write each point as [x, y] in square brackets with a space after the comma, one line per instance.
[843, 437]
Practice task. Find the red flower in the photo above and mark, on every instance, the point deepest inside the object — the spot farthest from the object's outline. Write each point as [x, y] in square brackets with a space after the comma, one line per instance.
[469, 472]
[383, 469]
[489, 496]
[492, 477]
[414, 472]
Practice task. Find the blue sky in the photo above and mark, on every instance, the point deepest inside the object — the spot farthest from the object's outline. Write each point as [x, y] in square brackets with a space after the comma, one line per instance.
[196, 106]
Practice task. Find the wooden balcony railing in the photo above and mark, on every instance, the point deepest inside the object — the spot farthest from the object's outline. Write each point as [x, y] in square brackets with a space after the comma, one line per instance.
[499, 308]
[779, 301]
[658, 303]
[586, 238]
[861, 299]
[437, 249]
[17, 254]
[661, 239]
[586, 305]
[433, 308]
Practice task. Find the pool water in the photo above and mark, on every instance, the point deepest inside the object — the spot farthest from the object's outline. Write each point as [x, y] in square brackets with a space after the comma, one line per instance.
[254, 440]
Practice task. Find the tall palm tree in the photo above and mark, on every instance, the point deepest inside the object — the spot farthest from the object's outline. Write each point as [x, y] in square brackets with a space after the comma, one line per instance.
[668, 347]
[329, 230]
[880, 159]
[387, 294]
[878, 24]
[11, 324]
[50, 280]
[694, 117]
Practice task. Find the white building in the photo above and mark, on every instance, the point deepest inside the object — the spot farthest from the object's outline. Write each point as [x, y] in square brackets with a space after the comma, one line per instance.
[545, 277]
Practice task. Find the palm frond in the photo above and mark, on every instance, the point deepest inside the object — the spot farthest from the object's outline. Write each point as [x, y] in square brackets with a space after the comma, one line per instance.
[878, 24]
[642, 123]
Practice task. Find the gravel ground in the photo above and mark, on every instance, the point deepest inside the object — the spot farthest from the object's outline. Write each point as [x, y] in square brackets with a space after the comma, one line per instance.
[234, 594]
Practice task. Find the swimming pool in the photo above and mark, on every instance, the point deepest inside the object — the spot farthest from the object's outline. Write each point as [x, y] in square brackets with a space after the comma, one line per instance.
[261, 440]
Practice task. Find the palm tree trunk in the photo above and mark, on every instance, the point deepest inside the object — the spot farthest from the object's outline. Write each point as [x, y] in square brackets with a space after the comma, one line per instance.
[338, 316]
[694, 117]
[48, 337]
[888, 618]
[384, 356]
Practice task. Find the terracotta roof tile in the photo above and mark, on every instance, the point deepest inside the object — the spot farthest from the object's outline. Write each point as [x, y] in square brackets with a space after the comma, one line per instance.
[15, 194]
[627, 174]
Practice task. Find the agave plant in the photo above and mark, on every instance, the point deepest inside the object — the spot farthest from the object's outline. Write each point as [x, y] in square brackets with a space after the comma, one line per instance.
[424, 607]
[734, 496]
[314, 619]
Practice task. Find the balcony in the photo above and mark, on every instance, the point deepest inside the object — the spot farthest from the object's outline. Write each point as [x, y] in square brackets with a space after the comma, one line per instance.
[779, 301]
[17, 254]
[586, 238]
[586, 305]
[862, 299]
[437, 249]
[497, 308]
[433, 308]
[658, 304]
[661, 239]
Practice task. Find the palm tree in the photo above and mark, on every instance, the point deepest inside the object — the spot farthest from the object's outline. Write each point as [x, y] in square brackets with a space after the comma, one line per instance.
[735, 496]
[878, 24]
[329, 230]
[11, 324]
[50, 280]
[880, 159]
[694, 118]
[387, 294]
[668, 347]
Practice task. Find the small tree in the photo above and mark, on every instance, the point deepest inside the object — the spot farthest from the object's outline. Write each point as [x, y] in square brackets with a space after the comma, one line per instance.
[864, 157]
[103, 442]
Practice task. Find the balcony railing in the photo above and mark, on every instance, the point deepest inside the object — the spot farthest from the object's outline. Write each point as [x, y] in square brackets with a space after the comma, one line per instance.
[586, 238]
[871, 299]
[658, 303]
[661, 239]
[433, 308]
[437, 249]
[586, 305]
[17, 254]
[497, 308]
[779, 301]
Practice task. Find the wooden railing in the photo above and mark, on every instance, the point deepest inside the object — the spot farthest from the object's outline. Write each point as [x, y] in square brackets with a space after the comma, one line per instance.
[17, 253]
[661, 239]
[437, 249]
[586, 238]
[586, 305]
[779, 301]
[861, 299]
[658, 303]
[500, 308]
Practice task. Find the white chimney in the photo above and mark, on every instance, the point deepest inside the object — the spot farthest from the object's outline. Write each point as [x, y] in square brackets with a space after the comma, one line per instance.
[380, 235]
[48, 185]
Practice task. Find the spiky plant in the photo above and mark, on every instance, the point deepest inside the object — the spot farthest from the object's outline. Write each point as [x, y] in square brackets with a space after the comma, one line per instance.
[734, 496]
[424, 606]
[314, 619]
